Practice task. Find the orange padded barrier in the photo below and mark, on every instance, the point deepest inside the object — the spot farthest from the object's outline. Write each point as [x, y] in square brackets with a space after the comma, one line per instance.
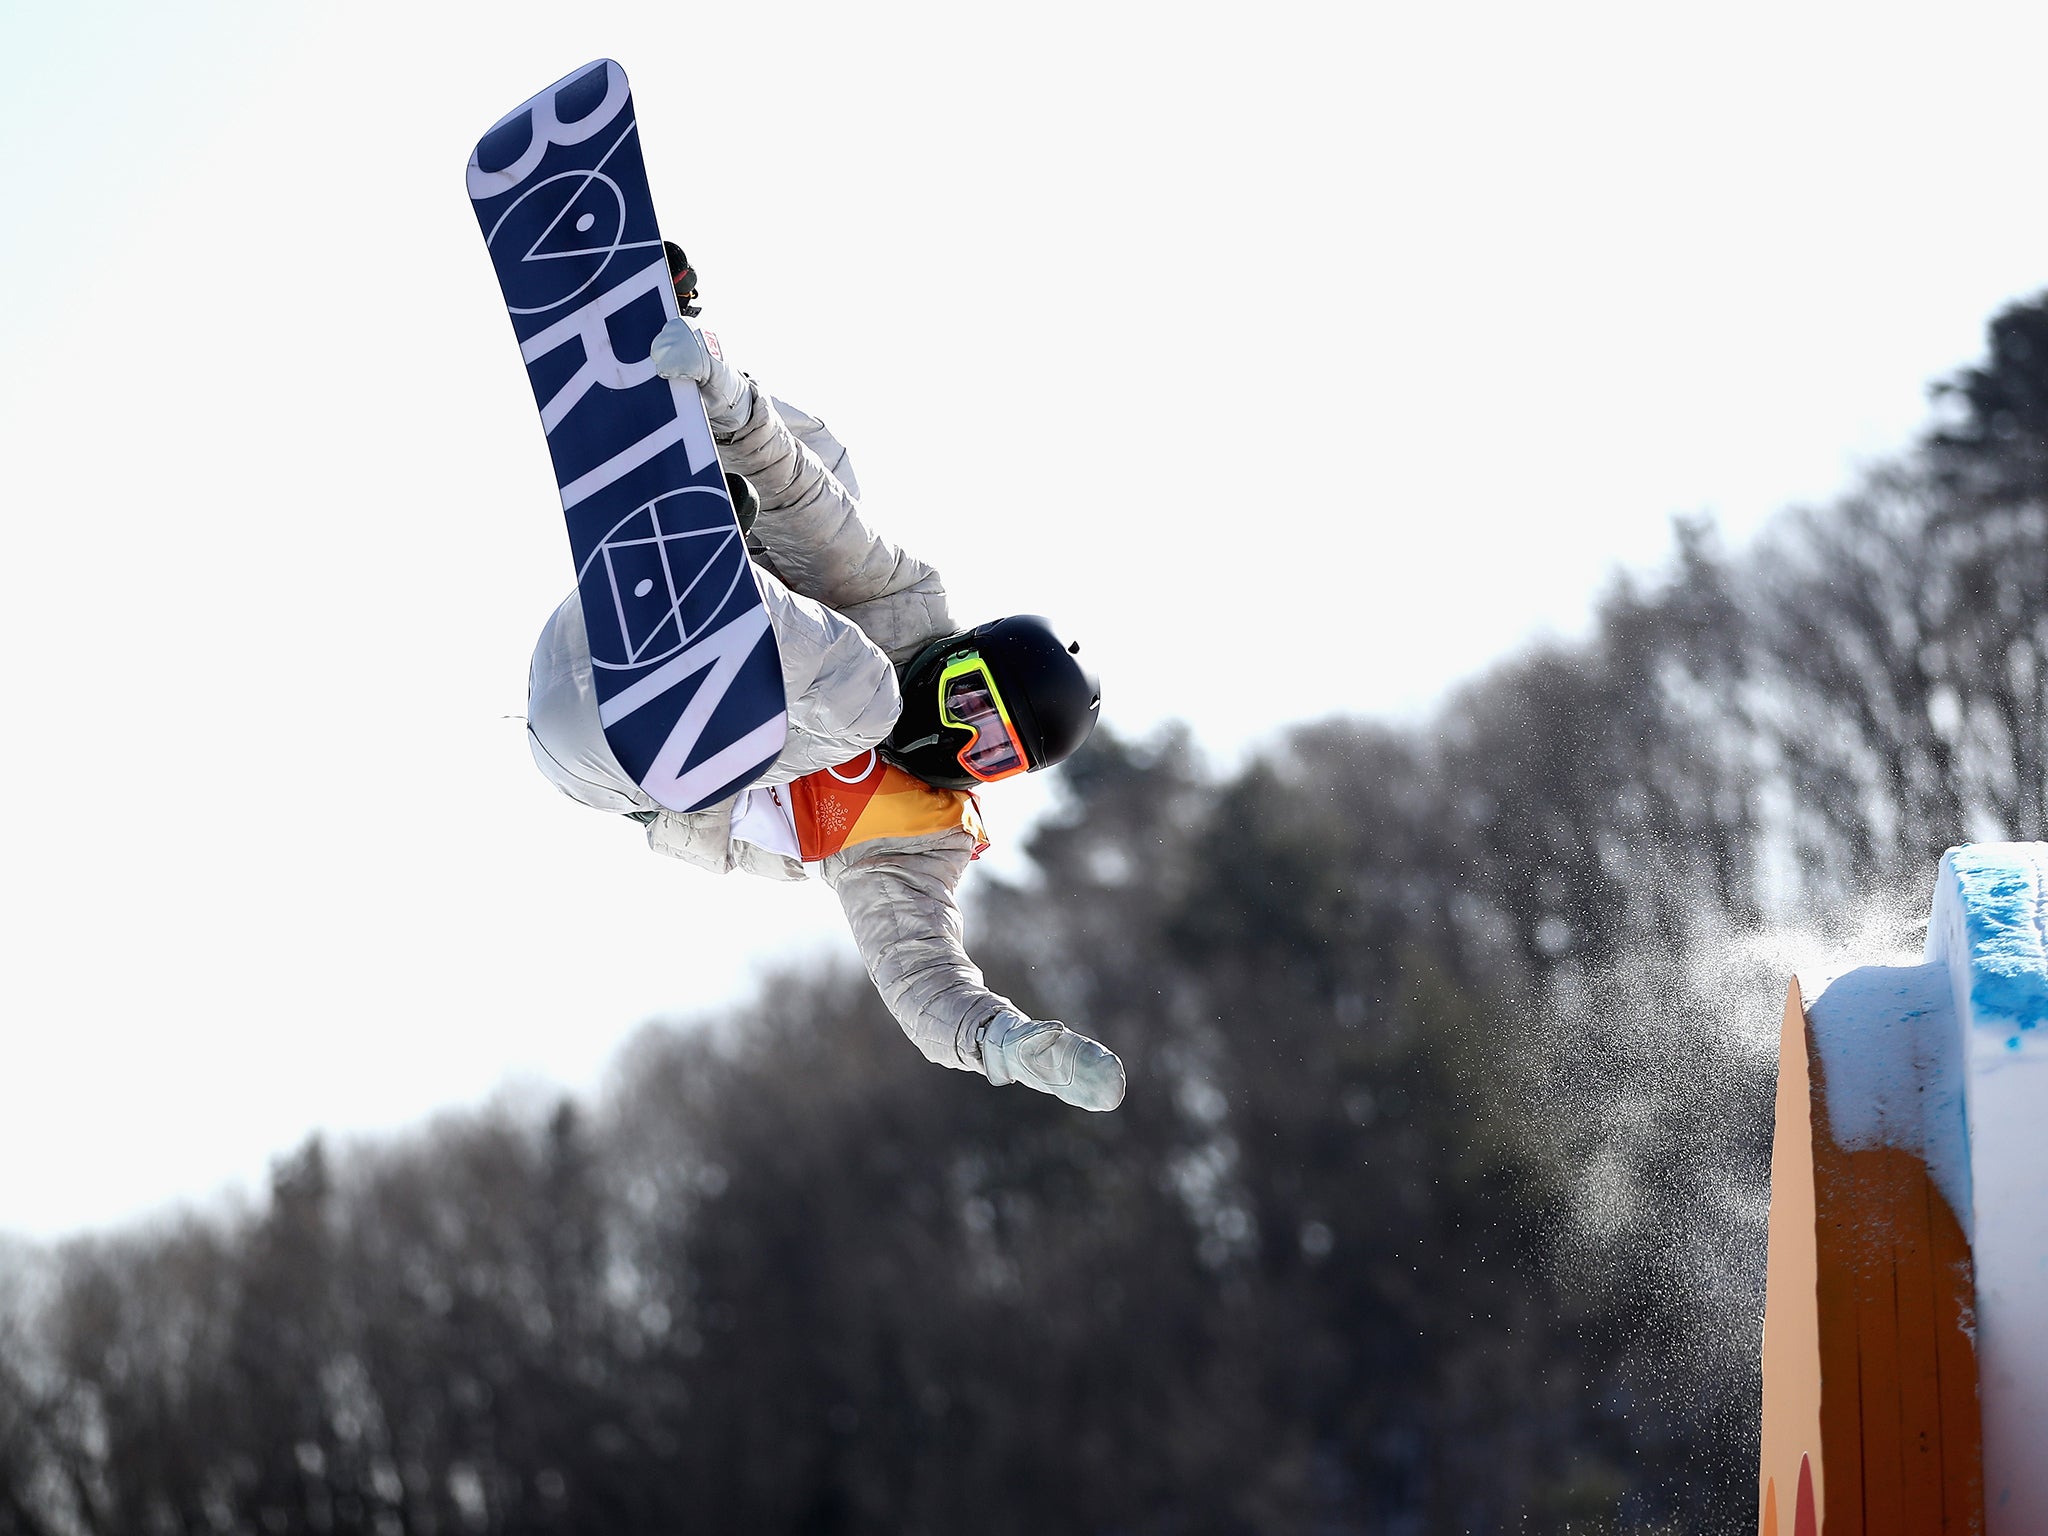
[1870, 1424]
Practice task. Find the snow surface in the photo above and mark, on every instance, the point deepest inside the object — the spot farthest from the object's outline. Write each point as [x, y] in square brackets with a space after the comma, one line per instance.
[1989, 907]
[1893, 1061]
[1990, 929]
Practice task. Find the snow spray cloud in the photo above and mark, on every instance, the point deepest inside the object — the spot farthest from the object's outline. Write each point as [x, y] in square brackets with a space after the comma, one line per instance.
[1652, 1090]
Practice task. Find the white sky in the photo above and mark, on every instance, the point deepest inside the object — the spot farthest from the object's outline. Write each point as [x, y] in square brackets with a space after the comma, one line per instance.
[1301, 357]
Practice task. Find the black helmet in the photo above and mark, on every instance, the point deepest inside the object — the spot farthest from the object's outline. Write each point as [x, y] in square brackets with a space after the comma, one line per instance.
[1002, 698]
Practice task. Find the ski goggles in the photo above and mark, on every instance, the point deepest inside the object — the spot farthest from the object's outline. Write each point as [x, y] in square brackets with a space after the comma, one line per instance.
[970, 701]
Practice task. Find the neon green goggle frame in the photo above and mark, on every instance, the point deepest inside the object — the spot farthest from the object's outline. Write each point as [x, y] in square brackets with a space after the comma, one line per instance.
[970, 701]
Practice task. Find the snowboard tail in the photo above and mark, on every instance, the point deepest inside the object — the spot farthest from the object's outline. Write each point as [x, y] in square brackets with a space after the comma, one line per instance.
[688, 681]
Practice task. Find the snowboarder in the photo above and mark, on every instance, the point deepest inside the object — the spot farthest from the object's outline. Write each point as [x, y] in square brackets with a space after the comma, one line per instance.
[896, 716]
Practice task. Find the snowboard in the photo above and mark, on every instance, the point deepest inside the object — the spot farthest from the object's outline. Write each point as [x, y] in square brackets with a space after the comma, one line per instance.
[688, 682]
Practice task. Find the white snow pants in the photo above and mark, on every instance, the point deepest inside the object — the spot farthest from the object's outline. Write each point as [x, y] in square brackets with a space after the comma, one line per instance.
[840, 688]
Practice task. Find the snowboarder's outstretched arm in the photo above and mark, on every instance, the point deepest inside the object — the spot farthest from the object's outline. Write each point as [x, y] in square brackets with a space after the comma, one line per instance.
[811, 526]
[897, 894]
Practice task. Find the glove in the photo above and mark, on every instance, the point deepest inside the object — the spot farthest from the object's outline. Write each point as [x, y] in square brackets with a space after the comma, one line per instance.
[1046, 1055]
[679, 353]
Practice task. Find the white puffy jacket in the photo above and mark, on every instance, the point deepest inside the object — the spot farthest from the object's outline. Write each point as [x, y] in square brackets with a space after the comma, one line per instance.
[846, 605]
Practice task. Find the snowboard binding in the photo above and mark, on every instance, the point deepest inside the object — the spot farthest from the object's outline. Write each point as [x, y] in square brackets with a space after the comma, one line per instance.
[684, 276]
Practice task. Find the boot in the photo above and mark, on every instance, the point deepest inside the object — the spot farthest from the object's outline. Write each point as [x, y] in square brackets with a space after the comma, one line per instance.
[684, 276]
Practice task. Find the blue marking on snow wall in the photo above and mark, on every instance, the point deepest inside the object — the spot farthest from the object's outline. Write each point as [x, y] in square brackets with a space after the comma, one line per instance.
[2003, 917]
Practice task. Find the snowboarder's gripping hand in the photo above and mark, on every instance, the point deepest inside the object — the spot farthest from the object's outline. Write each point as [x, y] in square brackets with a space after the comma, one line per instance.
[679, 352]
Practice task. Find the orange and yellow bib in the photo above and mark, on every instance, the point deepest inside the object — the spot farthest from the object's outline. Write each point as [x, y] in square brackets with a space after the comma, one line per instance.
[834, 809]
